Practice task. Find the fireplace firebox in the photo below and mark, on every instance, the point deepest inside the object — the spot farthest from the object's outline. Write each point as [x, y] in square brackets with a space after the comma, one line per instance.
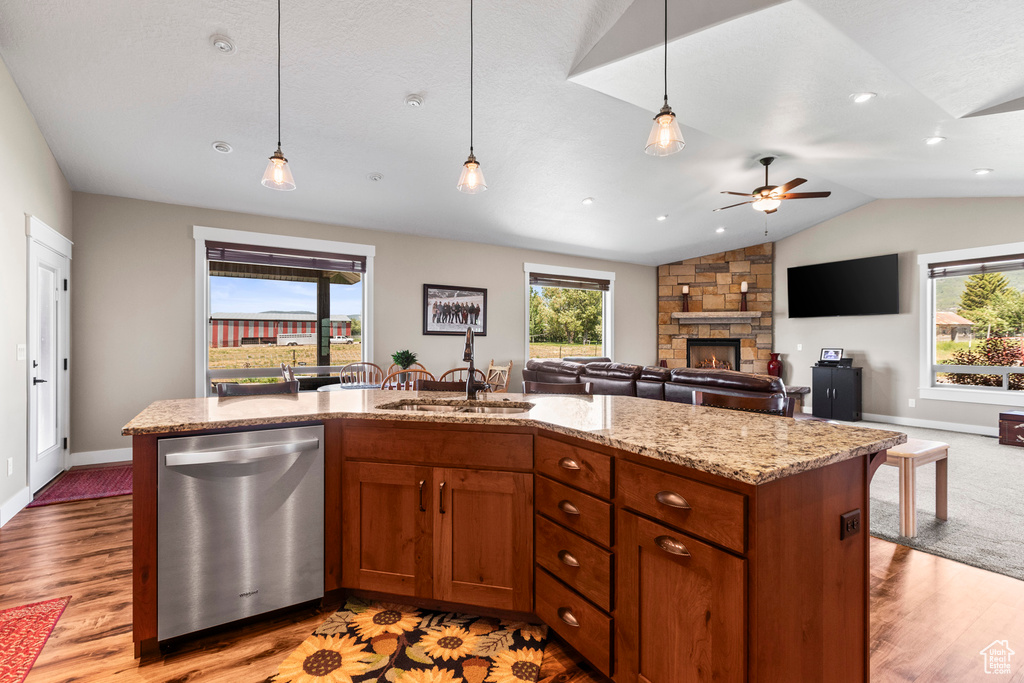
[722, 354]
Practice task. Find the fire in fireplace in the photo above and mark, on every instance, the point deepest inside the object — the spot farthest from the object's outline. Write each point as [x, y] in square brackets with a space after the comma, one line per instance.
[722, 354]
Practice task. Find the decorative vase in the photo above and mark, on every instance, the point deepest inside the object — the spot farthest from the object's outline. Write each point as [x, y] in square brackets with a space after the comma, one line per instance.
[403, 377]
[775, 366]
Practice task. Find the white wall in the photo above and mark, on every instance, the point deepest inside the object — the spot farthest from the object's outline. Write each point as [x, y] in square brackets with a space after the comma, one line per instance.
[888, 346]
[133, 324]
[30, 183]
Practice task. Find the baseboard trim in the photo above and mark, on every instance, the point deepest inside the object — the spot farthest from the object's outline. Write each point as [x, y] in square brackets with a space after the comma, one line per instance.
[101, 457]
[933, 424]
[15, 505]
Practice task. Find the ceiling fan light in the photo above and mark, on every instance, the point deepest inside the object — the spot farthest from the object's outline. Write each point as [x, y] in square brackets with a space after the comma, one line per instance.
[278, 176]
[766, 204]
[665, 137]
[471, 181]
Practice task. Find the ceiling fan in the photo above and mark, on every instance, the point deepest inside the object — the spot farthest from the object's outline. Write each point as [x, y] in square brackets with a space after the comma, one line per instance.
[768, 197]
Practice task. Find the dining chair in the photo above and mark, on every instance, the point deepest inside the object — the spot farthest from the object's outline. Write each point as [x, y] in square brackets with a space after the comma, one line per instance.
[411, 376]
[395, 368]
[459, 375]
[437, 385]
[556, 388]
[287, 372]
[772, 405]
[226, 389]
[361, 373]
[497, 377]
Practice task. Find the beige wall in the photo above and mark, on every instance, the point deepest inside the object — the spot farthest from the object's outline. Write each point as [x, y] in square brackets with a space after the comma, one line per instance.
[888, 346]
[133, 332]
[30, 183]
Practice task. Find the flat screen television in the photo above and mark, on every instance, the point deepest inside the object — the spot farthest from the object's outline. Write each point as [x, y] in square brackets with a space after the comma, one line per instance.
[863, 286]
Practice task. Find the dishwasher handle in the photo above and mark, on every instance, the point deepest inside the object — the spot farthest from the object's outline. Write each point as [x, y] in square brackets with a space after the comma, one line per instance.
[241, 455]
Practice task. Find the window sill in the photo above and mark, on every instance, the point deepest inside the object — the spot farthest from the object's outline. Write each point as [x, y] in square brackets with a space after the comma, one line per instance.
[995, 397]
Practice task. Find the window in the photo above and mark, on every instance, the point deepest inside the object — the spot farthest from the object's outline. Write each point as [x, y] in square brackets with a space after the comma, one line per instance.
[568, 312]
[266, 300]
[973, 325]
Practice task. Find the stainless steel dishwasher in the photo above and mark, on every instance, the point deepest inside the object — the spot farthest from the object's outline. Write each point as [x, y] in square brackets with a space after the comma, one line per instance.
[240, 526]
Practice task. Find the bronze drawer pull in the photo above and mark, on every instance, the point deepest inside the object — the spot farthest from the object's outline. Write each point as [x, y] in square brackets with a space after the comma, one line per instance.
[440, 499]
[422, 483]
[671, 499]
[568, 558]
[568, 464]
[568, 508]
[672, 546]
[566, 615]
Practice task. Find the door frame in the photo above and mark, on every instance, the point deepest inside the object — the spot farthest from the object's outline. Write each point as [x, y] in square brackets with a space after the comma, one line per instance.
[40, 235]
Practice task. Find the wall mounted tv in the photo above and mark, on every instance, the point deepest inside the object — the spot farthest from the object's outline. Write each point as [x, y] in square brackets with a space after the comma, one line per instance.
[863, 286]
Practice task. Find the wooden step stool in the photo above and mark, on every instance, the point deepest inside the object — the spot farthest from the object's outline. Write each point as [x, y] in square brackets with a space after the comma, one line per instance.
[908, 457]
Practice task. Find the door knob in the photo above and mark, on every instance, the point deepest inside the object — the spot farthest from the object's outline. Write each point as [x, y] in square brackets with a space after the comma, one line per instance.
[36, 380]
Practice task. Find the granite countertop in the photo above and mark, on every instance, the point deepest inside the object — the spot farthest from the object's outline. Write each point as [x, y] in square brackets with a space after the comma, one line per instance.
[747, 447]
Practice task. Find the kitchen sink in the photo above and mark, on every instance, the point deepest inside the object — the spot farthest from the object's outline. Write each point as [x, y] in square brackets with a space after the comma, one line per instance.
[423, 407]
[502, 410]
[475, 407]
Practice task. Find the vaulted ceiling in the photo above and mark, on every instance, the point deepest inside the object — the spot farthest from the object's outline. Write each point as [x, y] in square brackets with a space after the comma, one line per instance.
[130, 94]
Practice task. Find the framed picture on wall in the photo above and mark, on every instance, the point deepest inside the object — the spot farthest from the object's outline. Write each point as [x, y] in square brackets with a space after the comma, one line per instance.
[448, 309]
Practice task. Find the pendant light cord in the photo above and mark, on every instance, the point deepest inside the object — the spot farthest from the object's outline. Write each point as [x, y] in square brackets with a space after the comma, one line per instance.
[279, 74]
[666, 51]
[470, 76]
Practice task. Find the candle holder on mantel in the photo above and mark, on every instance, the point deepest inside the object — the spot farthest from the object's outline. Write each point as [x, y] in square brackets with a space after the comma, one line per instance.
[743, 296]
[686, 298]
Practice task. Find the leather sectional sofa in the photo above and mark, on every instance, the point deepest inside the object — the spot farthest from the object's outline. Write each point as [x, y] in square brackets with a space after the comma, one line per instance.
[677, 384]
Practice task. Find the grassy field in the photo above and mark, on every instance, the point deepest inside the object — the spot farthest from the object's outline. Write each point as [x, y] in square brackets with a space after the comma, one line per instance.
[944, 349]
[547, 350]
[267, 356]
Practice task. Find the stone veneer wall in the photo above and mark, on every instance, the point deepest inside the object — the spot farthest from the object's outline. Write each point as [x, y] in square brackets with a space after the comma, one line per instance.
[714, 282]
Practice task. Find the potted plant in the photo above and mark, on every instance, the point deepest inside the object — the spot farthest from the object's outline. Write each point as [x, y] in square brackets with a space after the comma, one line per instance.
[403, 359]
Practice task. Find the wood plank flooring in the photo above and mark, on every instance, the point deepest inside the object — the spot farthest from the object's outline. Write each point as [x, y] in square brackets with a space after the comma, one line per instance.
[930, 617]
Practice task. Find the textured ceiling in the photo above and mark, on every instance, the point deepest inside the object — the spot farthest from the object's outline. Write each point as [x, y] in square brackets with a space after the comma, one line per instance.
[130, 94]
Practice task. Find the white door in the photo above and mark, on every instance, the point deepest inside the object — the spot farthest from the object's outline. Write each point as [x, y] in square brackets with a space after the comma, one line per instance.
[47, 321]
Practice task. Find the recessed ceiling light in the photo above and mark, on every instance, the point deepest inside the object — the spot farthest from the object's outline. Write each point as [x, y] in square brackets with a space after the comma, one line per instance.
[663, 217]
[862, 97]
[375, 177]
[222, 44]
[587, 201]
[414, 100]
[719, 230]
[222, 147]
[982, 171]
[934, 140]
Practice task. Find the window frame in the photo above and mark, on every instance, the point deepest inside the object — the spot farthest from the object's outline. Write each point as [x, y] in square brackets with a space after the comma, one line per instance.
[202, 234]
[607, 302]
[927, 387]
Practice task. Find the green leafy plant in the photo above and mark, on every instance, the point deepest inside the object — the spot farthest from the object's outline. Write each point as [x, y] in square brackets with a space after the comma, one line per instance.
[992, 352]
[403, 359]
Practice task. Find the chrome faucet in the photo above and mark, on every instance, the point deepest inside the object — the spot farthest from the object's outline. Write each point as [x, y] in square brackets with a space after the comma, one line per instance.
[472, 386]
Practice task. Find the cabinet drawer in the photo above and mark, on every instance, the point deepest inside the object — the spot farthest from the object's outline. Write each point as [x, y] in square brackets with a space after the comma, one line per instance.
[583, 626]
[579, 467]
[700, 509]
[584, 566]
[578, 511]
[438, 447]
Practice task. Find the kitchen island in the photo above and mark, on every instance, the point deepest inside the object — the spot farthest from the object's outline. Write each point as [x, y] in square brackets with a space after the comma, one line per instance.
[663, 541]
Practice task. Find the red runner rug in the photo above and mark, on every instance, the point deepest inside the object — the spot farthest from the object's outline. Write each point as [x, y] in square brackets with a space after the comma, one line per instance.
[23, 633]
[87, 484]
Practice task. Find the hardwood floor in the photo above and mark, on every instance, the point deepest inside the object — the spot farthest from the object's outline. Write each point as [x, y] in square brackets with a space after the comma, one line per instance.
[930, 617]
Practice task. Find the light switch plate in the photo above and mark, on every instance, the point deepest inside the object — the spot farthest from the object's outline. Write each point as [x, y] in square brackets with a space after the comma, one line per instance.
[10, 466]
[799, 347]
[22, 351]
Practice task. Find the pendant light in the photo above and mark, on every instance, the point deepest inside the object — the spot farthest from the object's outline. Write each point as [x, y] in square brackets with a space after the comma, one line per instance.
[278, 176]
[471, 180]
[665, 137]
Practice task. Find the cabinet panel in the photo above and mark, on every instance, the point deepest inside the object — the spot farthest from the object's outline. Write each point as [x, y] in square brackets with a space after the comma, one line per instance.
[386, 537]
[681, 607]
[439, 447]
[581, 564]
[579, 467]
[484, 549]
[578, 511]
[583, 626]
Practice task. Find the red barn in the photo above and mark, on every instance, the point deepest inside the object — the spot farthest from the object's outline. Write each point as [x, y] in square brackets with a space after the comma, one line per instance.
[237, 329]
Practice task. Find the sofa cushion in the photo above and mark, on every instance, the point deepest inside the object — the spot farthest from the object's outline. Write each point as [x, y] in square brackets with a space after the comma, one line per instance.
[728, 379]
[621, 371]
[587, 359]
[654, 373]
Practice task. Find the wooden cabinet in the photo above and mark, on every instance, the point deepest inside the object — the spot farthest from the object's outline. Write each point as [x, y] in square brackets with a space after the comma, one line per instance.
[450, 534]
[681, 607]
[836, 393]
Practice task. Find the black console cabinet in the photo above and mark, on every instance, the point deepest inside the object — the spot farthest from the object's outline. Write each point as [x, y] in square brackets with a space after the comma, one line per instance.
[835, 393]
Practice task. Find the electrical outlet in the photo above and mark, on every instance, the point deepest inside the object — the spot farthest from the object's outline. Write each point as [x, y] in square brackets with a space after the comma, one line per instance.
[10, 466]
[799, 347]
[912, 403]
[849, 524]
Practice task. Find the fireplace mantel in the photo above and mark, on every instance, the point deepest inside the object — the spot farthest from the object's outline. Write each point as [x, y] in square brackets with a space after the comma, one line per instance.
[716, 317]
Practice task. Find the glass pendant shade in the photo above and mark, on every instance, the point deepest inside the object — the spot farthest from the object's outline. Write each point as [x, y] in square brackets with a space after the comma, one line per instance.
[665, 137]
[278, 176]
[766, 204]
[472, 179]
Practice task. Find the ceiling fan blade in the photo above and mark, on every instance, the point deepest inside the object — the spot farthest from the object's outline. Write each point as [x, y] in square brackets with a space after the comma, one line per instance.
[803, 195]
[789, 186]
[738, 194]
[732, 205]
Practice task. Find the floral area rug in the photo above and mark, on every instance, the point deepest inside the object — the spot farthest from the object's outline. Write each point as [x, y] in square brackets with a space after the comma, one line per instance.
[399, 644]
[23, 633]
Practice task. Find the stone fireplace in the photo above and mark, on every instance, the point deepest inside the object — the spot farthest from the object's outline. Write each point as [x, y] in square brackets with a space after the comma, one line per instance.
[722, 354]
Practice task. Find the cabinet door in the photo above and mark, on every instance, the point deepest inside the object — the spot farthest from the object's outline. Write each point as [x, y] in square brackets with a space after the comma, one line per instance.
[681, 607]
[484, 548]
[386, 528]
[846, 394]
[821, 392]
